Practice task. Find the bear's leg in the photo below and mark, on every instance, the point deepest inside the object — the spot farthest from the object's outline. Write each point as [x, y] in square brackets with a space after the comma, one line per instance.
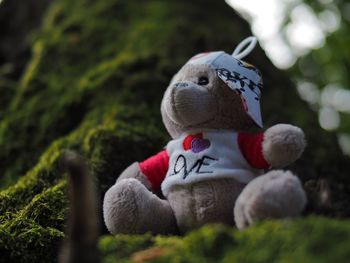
[276, 194]
[130, 208]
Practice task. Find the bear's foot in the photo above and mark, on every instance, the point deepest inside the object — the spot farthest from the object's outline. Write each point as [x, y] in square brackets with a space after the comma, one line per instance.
[130, 208]
[277, 194]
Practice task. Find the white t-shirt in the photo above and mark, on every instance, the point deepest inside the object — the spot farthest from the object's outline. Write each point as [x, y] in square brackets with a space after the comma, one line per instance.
[204, 156]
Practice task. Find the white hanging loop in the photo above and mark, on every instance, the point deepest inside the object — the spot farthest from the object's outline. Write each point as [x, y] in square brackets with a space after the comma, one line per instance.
[245, 47]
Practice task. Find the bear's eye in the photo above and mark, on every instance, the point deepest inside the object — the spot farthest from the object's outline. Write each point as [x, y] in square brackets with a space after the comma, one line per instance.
[203, 81]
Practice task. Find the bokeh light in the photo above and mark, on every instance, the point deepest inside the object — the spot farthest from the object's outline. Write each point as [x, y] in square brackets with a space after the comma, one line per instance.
[289, 30]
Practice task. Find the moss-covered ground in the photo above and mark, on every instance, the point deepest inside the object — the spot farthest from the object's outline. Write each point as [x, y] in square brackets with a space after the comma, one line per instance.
[309, 240]
[94, 84]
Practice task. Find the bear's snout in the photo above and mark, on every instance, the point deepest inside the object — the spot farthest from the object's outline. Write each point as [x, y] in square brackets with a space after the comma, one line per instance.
[189, 104]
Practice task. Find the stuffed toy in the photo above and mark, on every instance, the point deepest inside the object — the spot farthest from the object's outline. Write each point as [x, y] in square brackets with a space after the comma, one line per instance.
[213, 170]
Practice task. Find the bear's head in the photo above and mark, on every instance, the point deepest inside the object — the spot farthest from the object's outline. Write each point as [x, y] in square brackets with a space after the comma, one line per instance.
[212, 90]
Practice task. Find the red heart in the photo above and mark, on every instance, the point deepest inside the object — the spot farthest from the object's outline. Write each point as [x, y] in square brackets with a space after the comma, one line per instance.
[187, 143]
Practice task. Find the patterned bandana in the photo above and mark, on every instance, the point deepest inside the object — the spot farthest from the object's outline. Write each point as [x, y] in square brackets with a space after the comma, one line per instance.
[240, 76]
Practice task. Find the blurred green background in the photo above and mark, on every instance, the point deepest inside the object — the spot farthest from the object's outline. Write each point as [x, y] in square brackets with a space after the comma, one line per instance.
[309, 39]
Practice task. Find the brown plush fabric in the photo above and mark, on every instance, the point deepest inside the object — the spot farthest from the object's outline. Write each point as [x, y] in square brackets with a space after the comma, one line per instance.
[204, 202]
[133, 171]
[277, 194]
[283, 144]
[130, 208]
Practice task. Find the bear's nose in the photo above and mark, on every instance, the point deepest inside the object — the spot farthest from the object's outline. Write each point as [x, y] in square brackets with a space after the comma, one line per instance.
[180, 85]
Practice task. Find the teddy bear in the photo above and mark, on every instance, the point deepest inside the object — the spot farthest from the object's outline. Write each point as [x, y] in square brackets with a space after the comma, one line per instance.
[214, 170]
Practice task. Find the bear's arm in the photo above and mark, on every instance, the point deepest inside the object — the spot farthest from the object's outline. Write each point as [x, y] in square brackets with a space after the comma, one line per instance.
[279, 146]
[150, 172]
[155, 168]
[283, 144]
[251, 148]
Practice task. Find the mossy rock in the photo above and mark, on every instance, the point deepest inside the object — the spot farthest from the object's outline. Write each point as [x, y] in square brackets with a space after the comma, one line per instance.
[94, 84]
[313, 239]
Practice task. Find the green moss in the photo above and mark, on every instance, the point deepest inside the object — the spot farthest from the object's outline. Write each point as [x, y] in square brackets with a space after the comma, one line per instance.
[36, 206]
[90, 53]
[94, 80]
[313, 239]
[33, 233]
[117, 249]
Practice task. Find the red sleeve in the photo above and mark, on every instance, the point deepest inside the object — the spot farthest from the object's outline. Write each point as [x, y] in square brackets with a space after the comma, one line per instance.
[155, 168]
[251, 148]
